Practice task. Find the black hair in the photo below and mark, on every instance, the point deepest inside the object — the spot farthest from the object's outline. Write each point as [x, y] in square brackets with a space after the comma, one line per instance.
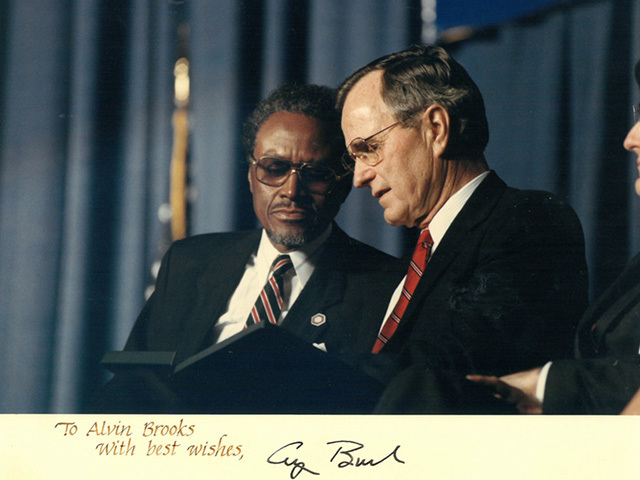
[314, 101]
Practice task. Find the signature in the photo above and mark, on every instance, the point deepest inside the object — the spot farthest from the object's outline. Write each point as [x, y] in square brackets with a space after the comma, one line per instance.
[357, 461]
[343, 454]
[298, 466]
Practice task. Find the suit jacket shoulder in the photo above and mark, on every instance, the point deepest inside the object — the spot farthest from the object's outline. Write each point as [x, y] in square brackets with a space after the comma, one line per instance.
[197, 276]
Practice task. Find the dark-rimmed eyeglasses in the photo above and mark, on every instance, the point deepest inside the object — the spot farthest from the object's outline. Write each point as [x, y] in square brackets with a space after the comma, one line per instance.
[364, 149]
[636, 112]
[274, 171]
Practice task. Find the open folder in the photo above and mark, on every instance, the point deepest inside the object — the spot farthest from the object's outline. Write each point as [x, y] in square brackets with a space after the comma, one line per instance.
[264, 369]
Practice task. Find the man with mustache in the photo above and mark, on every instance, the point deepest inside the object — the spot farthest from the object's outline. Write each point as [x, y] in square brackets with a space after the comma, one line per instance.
[327, 287]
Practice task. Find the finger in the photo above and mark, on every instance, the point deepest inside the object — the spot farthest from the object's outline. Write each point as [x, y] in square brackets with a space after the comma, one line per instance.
[491, 382]
[484, 379]
[506, 391]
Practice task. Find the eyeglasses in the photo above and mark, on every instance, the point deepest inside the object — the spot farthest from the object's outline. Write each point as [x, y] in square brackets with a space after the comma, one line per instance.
[274, 172]
[364, 149]
[636, 112]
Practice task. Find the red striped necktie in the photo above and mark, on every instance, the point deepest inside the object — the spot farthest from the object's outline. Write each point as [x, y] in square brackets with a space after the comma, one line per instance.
[416, 267]
[269, 303]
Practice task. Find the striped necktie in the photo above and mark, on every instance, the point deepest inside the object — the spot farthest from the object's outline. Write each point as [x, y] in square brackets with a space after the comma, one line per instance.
[269, 303]
[416, 267]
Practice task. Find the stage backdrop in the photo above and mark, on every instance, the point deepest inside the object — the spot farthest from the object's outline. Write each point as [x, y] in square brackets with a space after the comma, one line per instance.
[86, 102]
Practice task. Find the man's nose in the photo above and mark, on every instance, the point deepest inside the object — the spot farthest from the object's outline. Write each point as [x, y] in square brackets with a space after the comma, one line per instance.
[632, 141]
[292, 185]
[362, 174]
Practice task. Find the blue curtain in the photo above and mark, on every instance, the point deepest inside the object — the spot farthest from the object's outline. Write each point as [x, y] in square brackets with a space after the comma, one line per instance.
[84, 148]
[86, 99]
[559, 107]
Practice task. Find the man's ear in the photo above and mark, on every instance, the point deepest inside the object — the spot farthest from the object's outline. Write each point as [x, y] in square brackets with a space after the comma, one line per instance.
[250, 178]
[435, 128]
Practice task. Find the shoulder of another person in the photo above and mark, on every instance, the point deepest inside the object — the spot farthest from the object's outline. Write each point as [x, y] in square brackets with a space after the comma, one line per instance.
[355, 251]
[538, 204]
[199, 247]
[519, 197]
[206, 240]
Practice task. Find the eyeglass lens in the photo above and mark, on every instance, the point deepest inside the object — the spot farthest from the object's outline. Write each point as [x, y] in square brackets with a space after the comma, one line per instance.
[275, 171]
[636, 112]
[360, 149]
[364, 149]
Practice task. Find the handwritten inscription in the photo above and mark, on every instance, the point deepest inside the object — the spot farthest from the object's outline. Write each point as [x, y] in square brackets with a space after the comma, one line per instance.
[109, 429]
[346, 453]
[119, 447]
[221, 449]
[152, 429]
[181, 438]
[159, 440]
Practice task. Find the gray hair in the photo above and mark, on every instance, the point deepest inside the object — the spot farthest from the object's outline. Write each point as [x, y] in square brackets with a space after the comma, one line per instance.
[422, 76]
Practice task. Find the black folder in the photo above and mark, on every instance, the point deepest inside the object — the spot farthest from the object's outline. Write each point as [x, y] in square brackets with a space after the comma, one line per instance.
[264, 369]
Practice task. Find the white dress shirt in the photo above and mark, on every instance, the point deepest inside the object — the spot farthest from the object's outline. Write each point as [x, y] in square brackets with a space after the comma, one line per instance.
[255, 277]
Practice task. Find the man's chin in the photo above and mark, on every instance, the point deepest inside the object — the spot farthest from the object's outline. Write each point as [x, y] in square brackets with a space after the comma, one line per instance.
[399, 218]
[392, 220]
[291, 239]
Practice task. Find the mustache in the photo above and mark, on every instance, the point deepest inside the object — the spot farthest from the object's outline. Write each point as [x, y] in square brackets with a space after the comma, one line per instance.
[318, 214]
[291, 204]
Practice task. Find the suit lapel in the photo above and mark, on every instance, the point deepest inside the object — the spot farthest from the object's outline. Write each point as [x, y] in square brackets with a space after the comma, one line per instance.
[307, 317]
[610, 307]
[458, 238]
[215, 287]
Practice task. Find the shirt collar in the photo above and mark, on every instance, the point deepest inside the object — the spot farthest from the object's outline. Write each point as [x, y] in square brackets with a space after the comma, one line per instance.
[449, 211]
[303, 259]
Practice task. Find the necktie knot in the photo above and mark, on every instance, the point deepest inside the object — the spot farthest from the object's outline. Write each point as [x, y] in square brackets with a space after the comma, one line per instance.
[425, 239]
[281, 265]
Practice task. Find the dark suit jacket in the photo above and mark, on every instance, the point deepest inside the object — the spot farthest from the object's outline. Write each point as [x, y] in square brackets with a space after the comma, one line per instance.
[502, 292]
[351, 285]
[606, 372]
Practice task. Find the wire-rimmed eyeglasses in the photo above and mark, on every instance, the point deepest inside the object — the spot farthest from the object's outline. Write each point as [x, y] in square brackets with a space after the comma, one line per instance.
[274, 171]
[364, 149]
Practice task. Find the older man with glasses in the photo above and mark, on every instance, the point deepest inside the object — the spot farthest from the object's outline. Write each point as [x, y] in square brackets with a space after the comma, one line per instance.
[498, 276]
[299, 271]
